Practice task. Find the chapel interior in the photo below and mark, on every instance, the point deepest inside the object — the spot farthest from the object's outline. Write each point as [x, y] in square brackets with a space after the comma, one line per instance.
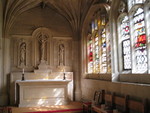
[53, 52]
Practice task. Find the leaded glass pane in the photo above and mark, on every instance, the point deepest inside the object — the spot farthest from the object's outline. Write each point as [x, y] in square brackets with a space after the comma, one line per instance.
[140, 41]
[126, 50]
[133, 2]
[104, 52]
[108, 42]
[93, 26]
[90, 55]
[96, 46]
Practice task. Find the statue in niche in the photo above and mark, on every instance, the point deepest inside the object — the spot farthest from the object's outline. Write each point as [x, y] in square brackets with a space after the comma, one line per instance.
[42, 39]
[22, 54]
[61, 54]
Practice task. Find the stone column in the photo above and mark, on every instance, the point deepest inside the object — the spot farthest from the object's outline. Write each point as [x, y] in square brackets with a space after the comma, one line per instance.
[5, 71]
[114, 39]
[76, 69]
[4, 63]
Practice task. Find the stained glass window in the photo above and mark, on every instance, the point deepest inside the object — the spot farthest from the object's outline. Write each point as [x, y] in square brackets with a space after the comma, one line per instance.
[133, 2]
[97, 47]
[140, 40]
[126, 46]
[108, 42]
[103, 51]
[90, 54]
[93, 26]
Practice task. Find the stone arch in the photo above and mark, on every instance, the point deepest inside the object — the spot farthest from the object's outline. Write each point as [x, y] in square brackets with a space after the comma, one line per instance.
[93, 9]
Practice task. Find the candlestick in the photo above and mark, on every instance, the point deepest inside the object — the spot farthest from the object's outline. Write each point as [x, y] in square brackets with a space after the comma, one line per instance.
[64, 77]
[22, 74]
[22, 77]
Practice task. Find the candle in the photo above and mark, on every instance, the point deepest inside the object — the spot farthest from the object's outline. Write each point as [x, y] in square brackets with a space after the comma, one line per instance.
[23, 71]
[64, 70]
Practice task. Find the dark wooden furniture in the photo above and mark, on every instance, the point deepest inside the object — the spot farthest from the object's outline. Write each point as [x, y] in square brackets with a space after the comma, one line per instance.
[87, 107]
[97, 100]
[106, 106]
[136, 106]
[122, 104]
[98, 109]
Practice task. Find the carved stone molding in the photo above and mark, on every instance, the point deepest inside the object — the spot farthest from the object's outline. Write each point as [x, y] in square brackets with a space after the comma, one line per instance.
[122, 7]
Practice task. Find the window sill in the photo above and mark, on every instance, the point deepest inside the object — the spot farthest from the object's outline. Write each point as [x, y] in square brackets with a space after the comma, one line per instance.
[106, 77]
[135, 78]
[124, 77]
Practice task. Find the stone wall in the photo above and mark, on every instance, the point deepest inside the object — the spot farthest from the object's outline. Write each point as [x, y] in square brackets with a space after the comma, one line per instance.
[1, 55]
[28, 28]
[135, 91]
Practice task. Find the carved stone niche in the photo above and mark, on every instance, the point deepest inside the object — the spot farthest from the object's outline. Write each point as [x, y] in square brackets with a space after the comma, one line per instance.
[63, 53]
[21, 52]
[42, 44]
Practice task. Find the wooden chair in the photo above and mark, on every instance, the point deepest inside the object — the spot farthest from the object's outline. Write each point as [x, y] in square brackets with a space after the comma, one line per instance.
[107, 102]
[120, 103]
[96, 101]
[136, 106]
[98, 97]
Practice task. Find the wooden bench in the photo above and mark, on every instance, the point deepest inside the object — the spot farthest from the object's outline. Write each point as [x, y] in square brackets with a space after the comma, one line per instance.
[122, 104]
[136, 106]
[106, 106]
[97, 100]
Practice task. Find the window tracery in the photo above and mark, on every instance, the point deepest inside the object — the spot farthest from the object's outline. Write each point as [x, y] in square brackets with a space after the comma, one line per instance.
[98, 52]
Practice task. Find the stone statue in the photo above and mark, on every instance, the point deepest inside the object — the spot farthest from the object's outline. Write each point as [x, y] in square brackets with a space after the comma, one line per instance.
[61, 54]
[22, 53]
[42, 39]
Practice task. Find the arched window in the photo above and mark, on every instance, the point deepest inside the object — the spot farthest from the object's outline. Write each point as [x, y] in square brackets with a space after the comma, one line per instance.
[140, 47]
[98, 50]
[131, 3]
[126, 44]
[132, 38]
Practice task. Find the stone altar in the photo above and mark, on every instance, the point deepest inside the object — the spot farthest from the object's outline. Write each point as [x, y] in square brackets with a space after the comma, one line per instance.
[51, 79]
[38, 93]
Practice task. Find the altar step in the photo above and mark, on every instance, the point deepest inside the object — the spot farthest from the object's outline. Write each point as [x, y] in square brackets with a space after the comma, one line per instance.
[73, 107]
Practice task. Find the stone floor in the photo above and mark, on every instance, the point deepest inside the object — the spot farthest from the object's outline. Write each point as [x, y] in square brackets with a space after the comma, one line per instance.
[73, 107]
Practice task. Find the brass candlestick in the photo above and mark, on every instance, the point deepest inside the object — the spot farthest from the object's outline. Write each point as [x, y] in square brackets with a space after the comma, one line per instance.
[22, 77]
[64, 77]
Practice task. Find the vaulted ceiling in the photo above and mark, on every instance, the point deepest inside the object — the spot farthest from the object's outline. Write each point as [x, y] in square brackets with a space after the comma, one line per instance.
[73, 11]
